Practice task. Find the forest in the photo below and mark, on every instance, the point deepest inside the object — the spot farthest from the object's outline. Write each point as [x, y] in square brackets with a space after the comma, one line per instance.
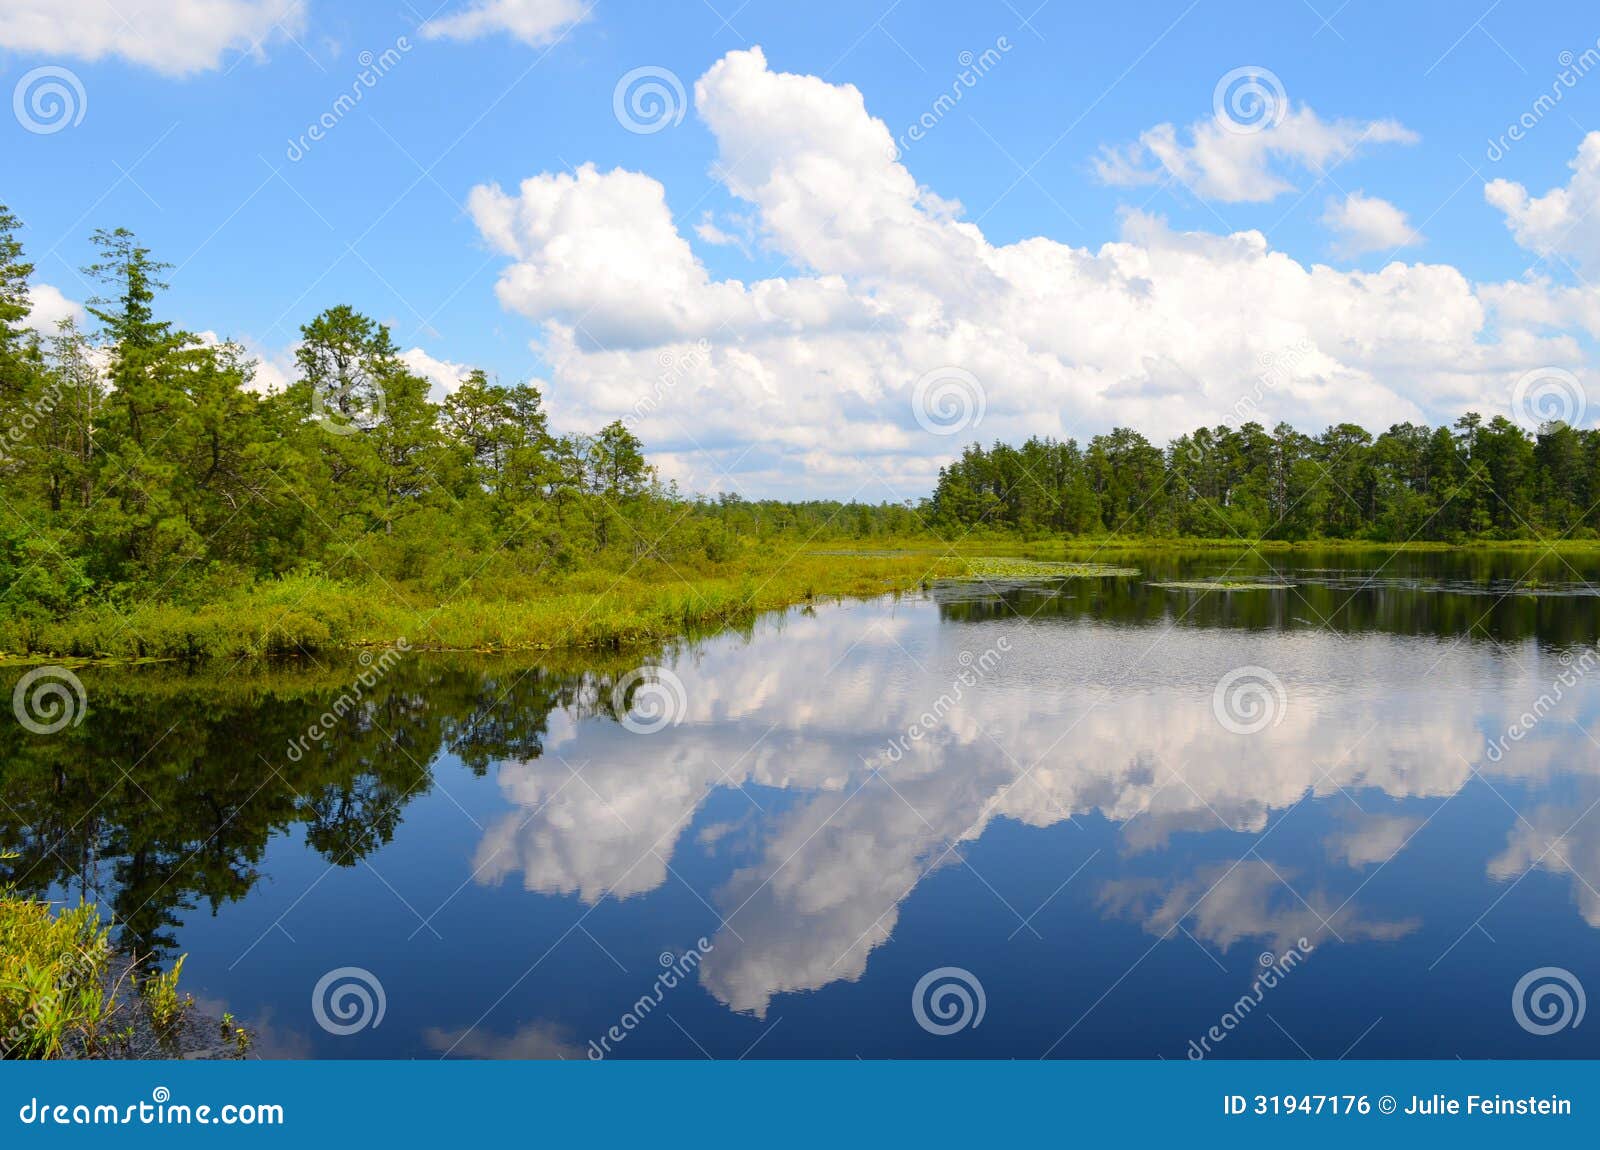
[156, 502]
[1474, 480]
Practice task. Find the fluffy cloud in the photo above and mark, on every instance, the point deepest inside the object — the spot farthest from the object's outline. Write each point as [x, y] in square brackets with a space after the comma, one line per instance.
[442, 373]
[1366, 223]
[1219, 162]
[806, 381]
[49, 307]
[534, 22]
[1562, 222]
[818, 880]
[176, 37]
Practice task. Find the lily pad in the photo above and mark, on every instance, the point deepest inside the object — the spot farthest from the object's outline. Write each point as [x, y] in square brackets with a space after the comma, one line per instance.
[1223, 585]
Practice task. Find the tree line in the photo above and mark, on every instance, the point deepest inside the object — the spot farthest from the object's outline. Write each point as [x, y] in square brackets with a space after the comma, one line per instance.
[136, 456]
[1473, 479]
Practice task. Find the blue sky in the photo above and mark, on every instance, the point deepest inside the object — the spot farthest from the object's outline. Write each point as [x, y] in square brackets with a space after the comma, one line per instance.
[190, 144]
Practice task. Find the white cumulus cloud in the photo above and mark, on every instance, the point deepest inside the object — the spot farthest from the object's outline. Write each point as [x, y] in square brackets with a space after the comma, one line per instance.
[1234, 166]
[1366, 223]
[175, 37]
[807, 380]
[48, 307]
[442, 373]
[1562, 222]
[534, 22]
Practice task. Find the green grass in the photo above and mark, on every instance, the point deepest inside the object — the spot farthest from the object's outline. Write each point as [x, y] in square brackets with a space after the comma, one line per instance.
[55, 997]
[62, 987]
[593, 610]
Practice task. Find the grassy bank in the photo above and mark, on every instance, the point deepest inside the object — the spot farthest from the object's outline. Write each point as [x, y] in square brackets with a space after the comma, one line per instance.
[595, 609]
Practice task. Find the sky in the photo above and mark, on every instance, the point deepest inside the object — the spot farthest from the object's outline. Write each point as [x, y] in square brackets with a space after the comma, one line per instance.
[811, 250]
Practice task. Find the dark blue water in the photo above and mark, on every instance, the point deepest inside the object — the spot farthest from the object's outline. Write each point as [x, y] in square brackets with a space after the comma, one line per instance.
[1111, 807]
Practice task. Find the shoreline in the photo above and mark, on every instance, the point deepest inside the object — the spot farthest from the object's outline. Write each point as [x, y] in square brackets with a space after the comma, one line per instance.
[593, 610]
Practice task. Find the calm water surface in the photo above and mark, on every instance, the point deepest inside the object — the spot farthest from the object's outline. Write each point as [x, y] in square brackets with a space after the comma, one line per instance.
[1106, 802]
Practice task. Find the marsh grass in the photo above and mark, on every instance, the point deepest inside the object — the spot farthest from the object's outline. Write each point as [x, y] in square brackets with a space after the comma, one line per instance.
[986, 567]
[55, 1000]
[588, 610]
[1223, 585]
[62, 986]
[162, 999]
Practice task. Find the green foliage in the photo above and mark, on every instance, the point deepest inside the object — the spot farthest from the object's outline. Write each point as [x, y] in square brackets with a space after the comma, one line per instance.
[164, 507]
[54, 998]
[1474, 481]
[166, 1005]
[161, 505]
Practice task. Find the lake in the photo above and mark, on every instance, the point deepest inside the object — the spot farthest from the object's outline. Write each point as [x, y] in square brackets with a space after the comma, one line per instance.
[1077, 818]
